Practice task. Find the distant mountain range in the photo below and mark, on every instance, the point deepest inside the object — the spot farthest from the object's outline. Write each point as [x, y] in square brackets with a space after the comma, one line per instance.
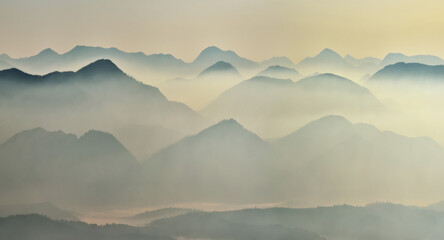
[375, 221]
[41, 165]
[277, 71]
[151, 69]
[393, 58]
[408, 73]
[277, 106]
[98, 95]
[45, 208]
[224, 163]
[329, 61]
[200, 91]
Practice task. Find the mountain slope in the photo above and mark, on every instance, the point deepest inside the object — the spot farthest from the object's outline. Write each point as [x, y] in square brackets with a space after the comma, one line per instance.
[328, 61]
[376, 221]
[54, 166]
[220, 67]
[277, 71]
[46, 209]
[393, 58]
[273, 107]
[409, 73]
[331, 152]
[33, 226]
[224, 162]
[213, 54]
[200, 91]
[99, 96]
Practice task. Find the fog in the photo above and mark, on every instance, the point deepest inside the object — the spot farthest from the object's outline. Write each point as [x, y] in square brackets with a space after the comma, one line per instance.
[221, 131]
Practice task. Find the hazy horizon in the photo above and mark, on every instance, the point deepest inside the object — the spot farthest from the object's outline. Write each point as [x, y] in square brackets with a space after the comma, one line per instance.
[280, 28]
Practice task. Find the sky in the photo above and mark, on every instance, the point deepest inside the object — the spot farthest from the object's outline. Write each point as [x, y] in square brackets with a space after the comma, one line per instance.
[255, 29]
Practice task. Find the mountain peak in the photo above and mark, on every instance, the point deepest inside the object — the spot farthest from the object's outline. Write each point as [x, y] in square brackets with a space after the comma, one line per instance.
[327, 52]
[102, 66]
[219, 67]
[48, 52]
[280, 68]
[212, 49]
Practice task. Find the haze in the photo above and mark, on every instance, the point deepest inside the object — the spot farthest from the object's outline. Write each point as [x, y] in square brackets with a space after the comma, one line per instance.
[294, 28]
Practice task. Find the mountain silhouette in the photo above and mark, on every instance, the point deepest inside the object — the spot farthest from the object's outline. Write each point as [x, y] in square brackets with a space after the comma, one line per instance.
[278, 61]
[393, 58]
[96, 96]
[80, 169]
[200, 91]
[277, 71]
[332, 152]
[329, 61]
[44, 208]
[223, 160]
[213, 54]
[269, 104]
[220, 67]
[409, 73]
[34, 226]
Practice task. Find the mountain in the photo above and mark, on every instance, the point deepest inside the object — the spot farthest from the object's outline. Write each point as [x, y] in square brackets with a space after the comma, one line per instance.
[45, 208]
[393, 58]
[220, 67]
[375, 221]
[33, 226]
[330, 152]
[363, 61]
[224, 162]
[138, 64]
[146, 217]
[213, 226]
[148, 68]
[273, 107]
[279, 61]
[329, 61]
[99, 96]
[93, 169]
[200, 91]
[213, 54]
[4, 65]
[439, 206]
[409, 73]
[277, 71]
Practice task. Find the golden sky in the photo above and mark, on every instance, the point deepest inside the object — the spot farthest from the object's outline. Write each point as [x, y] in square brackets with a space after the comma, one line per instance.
[255, 29]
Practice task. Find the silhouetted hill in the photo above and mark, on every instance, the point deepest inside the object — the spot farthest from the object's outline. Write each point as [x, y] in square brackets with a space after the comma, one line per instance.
[328, 61]
[211, 226]
[278, 106]
[439, 206]
[280, 61]
[393, 58]
[203, 89]
[146, 217]
[224, 162]
[45, 208]
[44, 166]
[220, 67]
[379, 221]
[330, 152]
[213, 54]
[277, 71]
[37, 227]
[98, 95]
[409, 73]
